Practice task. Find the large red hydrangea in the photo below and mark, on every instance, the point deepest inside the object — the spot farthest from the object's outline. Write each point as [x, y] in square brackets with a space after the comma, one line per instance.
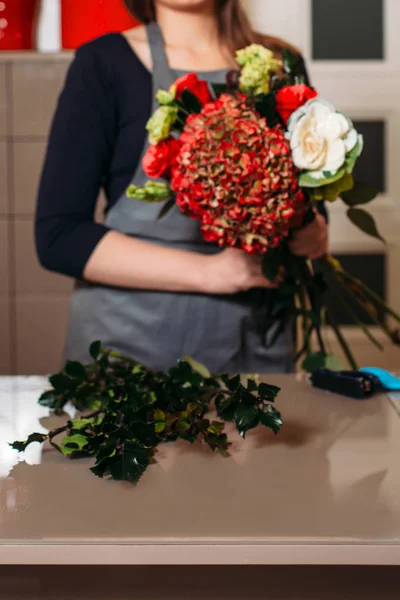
[236, 175]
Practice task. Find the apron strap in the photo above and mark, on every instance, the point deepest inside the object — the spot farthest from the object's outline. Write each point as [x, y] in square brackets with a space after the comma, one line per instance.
[163, 76]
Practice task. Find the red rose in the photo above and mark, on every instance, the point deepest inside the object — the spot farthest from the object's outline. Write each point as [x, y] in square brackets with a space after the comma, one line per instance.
[196, 86]
[291, 97]
[159, 158]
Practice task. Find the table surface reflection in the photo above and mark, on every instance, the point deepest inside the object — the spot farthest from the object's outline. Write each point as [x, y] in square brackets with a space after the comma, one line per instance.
[325, 490]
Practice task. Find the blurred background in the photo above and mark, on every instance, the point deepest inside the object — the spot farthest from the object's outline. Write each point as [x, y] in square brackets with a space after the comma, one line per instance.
[352, 48]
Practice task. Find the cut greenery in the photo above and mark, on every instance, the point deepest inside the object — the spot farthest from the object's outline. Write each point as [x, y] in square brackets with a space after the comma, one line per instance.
[130, 410]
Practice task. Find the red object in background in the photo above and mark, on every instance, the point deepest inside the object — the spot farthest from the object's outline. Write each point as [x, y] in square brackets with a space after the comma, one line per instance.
[18, 24]
[84, 20]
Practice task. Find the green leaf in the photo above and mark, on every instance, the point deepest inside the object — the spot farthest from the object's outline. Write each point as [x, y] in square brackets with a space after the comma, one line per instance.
[266, 107]
[233, 383]
[318, 360]
[61, 382]
[353, 156]
[132, 463]
[359, 194]
[196, 366]
[160, 426]
[73, 443]
[169, 204]
[191, 102]
[364, 221]
[79, 424]
[268, 392]
[252, 385]
[95, 349]
[271, 418]
[306, 178]
[333, 191]
[75, 369]
[226, 407]
[219, 89]
[288, 61]
[34, 437]
[247, 417]
[48, 399]
[159, 415]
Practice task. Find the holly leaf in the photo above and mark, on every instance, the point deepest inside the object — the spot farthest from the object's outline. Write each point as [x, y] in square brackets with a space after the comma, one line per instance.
[268, 392]
[80, 424]
[365, 222]
[73, 443]
[160, 426]
[95, 349]
[246, 417]
[232, 383]
[226, 407]
[75, 369]
[360, 193]
[34, 437]
[159, 415]
[130, 464]
[48, 399]
[61, 382]
[270, 417]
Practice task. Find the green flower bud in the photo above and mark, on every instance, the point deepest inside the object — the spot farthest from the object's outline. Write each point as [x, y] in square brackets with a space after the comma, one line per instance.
[159, 125]
[156, 191]
[166, 98]
[136, 192]
[258, 63]
[152, 191]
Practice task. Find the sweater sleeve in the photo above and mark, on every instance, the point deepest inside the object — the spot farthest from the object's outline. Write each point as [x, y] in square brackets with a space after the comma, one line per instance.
[301, 69]
[78, 155]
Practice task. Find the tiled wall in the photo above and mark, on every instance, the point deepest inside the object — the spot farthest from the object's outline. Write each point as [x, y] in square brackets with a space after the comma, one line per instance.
[33, 302]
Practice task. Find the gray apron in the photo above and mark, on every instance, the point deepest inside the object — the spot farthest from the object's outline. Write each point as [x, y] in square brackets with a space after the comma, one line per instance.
[157, 328]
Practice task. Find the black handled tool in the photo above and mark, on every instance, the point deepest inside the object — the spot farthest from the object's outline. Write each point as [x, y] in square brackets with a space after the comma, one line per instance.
[353, 384]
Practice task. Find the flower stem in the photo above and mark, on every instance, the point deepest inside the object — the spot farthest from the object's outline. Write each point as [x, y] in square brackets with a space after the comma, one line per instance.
[344, 345]
[358, 321]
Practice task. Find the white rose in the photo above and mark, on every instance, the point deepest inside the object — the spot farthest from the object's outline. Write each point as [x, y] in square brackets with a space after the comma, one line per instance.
[324, 143]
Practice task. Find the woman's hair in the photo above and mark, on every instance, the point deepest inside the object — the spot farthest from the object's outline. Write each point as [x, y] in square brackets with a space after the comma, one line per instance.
[234, 26]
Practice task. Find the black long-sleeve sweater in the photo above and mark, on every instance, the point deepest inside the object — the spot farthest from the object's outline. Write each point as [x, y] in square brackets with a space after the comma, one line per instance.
[96, 140]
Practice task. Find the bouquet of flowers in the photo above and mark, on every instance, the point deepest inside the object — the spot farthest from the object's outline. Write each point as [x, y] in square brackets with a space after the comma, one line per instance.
[250, 160]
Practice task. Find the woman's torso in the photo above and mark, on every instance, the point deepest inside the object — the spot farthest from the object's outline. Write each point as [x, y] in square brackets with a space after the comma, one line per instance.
[158, 328]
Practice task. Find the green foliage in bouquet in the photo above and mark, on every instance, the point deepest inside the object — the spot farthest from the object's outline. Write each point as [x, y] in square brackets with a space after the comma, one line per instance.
[128, 411]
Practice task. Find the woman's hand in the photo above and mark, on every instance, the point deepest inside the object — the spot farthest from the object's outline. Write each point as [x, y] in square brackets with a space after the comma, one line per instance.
[233, 271]
[312, 240]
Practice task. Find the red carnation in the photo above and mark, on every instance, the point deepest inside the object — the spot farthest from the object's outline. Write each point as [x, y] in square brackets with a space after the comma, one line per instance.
[160, 158]
[291, 97]
[196, 86]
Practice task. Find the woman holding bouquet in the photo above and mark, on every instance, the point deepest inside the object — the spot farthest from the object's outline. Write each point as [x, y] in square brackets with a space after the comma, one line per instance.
[153, 289]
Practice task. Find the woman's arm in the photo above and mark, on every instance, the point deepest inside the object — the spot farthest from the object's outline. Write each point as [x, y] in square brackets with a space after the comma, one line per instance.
[77, 158]
[122, 261]
[67, 238]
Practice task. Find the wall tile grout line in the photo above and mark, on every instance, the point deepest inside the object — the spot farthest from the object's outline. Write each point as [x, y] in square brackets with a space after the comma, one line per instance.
[11, 225]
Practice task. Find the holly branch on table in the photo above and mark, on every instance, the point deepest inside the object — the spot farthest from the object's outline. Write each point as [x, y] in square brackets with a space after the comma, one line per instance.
[128, 410]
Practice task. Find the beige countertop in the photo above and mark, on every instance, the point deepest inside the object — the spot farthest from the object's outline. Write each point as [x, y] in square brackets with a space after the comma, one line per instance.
[324, 491]
[33, 56]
